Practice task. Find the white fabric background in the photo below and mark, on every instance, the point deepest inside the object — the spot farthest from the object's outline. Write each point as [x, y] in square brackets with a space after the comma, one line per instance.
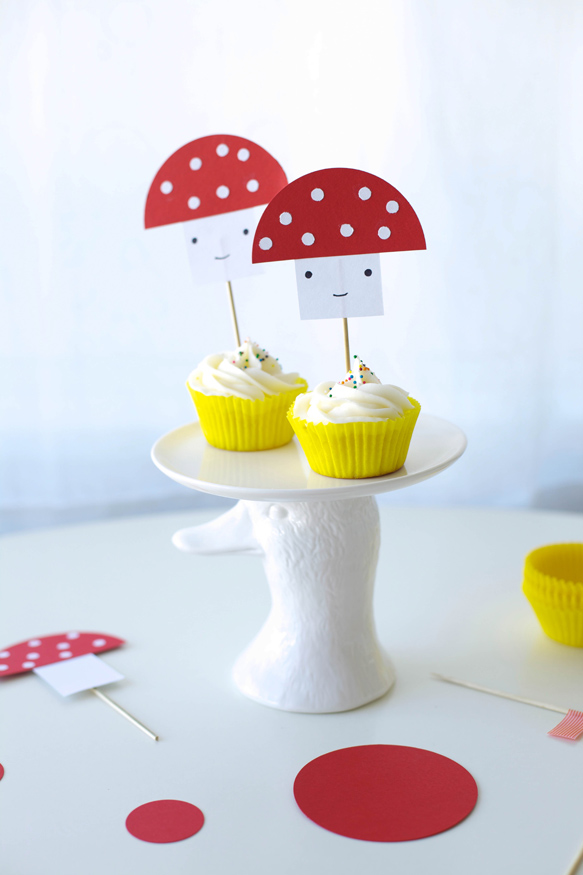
[471, 109]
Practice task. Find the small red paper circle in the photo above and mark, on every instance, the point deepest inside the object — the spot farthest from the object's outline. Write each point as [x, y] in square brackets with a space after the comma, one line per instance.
[1, 771]
[165, 820]
[385, 792]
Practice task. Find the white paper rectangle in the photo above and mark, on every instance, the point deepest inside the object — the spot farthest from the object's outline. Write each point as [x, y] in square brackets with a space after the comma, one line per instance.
[80, 673]
[334, 287]
[219, 247]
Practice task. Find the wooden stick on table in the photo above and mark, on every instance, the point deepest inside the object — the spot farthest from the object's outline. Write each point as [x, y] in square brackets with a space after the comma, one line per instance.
[470, 686]
[123, 713]
[575, 864]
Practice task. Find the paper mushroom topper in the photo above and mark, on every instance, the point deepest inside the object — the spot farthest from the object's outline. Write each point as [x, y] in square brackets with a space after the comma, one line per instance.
[37, 652]
[334, 223]
[68, 663]
[213, 186]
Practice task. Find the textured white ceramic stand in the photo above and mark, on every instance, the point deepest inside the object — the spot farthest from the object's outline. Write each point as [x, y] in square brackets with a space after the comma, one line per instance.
[319, 539]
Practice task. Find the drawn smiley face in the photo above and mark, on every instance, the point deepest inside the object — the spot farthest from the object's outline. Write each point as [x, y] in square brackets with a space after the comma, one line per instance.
[346, 285]
[219, 247]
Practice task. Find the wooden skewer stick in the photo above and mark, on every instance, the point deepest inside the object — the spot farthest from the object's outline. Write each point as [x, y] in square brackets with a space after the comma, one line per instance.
[575, 864]
[346, 342]
[470, 686]
[124, 713]
[233, 313]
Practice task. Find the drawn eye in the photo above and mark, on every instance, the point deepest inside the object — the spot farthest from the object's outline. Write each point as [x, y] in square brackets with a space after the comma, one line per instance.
[308, 274]
[194, 239]
[368, 272]
[245, 230]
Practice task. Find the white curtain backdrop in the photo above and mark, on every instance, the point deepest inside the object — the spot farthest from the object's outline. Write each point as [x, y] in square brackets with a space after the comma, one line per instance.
[471, 108]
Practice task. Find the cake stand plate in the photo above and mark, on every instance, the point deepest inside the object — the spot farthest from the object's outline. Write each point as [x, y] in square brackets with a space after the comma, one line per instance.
[284, 474]
[319, 538]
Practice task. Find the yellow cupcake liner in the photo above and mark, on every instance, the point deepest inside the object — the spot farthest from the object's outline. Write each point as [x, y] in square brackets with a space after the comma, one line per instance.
[354, 450]
[232, 423]
[553, 584]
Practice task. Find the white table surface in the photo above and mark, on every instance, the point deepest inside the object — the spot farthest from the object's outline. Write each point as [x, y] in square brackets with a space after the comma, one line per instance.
[448, 599]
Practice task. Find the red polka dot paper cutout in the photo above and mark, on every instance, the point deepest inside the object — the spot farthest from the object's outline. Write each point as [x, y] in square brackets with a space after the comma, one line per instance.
[385, 792]
[1, 771]
[165, 820]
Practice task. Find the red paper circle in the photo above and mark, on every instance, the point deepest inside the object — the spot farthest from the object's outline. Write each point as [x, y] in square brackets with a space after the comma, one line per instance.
[385, 792]
[165, 820]
[1, 771]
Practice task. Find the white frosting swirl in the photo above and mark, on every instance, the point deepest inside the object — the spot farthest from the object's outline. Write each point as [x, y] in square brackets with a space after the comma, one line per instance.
[359, 397]
[248, 372]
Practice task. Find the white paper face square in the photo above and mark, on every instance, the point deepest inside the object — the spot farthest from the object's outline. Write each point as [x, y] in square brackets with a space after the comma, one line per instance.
[219, 247]
[76, 674]
[349, 285]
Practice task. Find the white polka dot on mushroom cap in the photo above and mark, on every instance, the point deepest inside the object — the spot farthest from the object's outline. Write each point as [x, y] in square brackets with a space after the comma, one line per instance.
[346, 230]
[194, 203]
[285, 218]
[317, 194]
[252, 185]
[72, 635]
[3, 668]
[308, 239]
[28, 664]
[63, 646]
[384, 232]
[32, 655]
[364, 193]
[392, 207]
[223, 192]
[65, 654]
[36, 642]
[6, 653]
[222, 150]
[243, 154]
[166, 187]
[99, 642]
[265, 243]
[195, 163]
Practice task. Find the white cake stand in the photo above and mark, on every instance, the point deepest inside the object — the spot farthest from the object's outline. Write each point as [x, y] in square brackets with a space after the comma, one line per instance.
[319, 539]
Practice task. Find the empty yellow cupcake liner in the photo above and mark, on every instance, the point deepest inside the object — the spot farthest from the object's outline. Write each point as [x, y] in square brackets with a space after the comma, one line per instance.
[553, 584]
[232, 423]
[353, 450]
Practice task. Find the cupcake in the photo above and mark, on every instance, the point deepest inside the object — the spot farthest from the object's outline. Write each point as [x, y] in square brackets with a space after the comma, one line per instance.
[356, 428]
[242, 397]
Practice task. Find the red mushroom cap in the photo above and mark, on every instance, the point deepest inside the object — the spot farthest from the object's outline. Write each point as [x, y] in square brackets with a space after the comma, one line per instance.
[35, 652]
[334, 212]
[212, 175]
